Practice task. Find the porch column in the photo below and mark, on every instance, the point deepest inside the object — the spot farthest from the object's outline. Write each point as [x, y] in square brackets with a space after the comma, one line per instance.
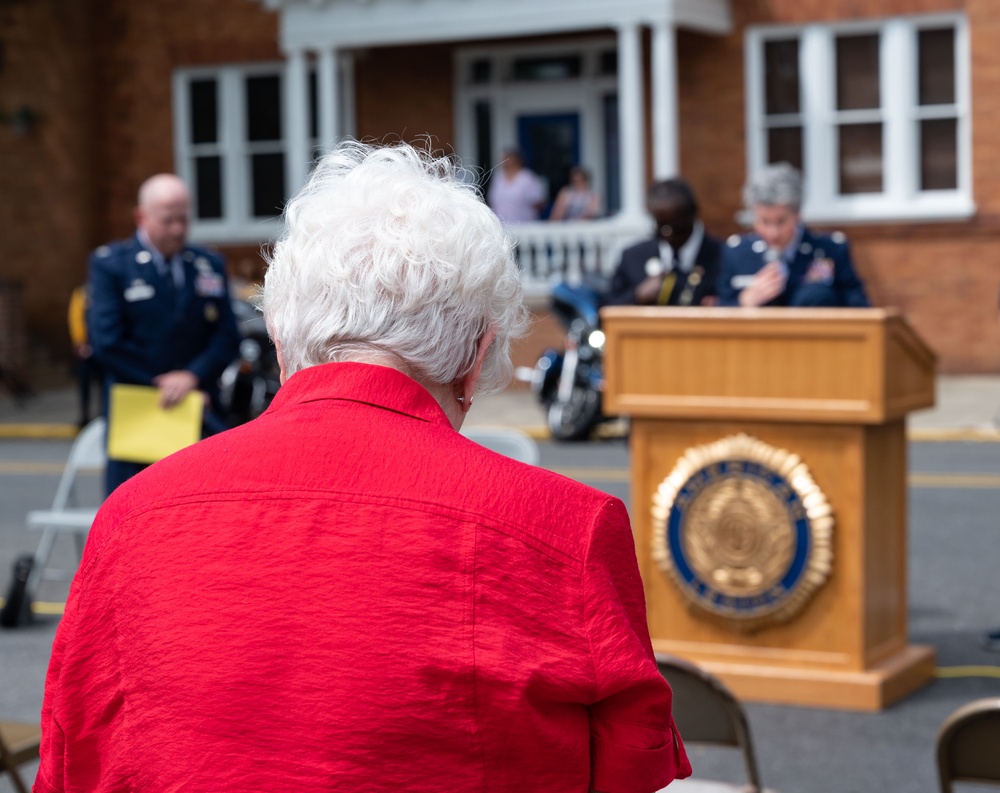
[631, 121]
[664, 86]
[328, 98]
[297, 119]
[348, 100]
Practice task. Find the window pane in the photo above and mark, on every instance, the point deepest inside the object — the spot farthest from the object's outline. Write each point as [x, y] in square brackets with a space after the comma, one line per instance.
[608, 65]
[263, 95]
[555, 68]
[937, 66]
[267, 175]
[204, 111]
[208, 187]
[781, 77]
[939, 154]
[482, 71]
[857, 72]
[860, 158]
[784, 144]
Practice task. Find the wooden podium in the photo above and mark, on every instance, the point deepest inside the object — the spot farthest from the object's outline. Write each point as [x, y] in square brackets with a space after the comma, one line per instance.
[831, 386]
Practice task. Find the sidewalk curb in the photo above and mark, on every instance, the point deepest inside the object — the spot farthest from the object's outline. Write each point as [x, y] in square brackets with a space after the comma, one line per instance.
[38, 431]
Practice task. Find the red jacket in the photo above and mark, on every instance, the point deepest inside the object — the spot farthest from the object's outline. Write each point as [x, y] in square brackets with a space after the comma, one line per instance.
[346, 594]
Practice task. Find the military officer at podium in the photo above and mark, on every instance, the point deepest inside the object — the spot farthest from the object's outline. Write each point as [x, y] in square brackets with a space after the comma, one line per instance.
[781, 262]
[160, 313]
[679, 265]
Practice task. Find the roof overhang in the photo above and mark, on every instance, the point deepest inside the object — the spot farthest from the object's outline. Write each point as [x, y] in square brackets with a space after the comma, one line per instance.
[345, 24]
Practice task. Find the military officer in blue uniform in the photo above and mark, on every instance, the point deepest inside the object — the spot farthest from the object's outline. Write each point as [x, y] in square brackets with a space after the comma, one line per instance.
[783, 263]
[679, 265]
[160, 313]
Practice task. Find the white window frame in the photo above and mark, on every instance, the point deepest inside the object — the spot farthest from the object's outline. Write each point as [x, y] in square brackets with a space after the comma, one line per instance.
[237, 224]
[900, 199]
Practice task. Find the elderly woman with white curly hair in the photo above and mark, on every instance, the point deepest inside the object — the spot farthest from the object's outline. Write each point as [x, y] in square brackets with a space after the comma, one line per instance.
[782, 262]
[346, 593]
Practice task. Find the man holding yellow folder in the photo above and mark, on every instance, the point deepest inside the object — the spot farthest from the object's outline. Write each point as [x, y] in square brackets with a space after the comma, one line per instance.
[160, 314]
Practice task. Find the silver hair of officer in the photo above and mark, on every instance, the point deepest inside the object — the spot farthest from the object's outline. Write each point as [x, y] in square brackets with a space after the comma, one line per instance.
[778, 184]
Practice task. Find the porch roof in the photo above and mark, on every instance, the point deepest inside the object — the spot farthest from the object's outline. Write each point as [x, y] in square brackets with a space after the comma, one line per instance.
[365, 23]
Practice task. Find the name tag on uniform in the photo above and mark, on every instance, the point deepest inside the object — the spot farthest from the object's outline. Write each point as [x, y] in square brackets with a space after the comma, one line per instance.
[209, 285]
[139, 290]
[741, 281]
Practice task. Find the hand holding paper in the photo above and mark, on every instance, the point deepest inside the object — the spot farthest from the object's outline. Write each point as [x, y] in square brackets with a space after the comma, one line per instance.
[142, 431]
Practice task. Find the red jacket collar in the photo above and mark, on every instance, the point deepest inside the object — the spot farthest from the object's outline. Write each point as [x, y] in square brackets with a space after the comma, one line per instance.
[366, 383]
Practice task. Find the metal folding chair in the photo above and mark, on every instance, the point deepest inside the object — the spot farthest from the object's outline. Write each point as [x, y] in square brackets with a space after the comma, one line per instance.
[19, 744]
[87, 453]
[509, 442]
[705, 711]
[968, 745]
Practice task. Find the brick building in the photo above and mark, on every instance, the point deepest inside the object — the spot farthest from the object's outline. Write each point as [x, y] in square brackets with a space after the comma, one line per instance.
[887, 105]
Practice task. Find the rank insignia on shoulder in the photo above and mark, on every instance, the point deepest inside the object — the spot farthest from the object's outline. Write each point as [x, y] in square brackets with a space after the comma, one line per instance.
[733, 240]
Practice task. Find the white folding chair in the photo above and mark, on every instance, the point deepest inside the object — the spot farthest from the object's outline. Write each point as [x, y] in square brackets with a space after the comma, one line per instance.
[65, 516]
[509, 442]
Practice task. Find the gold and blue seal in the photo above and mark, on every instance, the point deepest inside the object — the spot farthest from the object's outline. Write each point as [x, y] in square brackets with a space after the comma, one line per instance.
[743, 531]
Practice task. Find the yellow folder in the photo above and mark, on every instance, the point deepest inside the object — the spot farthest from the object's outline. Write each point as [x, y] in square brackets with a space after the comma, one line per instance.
[140, 431]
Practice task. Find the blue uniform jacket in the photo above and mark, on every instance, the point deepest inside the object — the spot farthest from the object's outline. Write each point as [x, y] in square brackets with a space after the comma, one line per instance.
[821, 273]
[632, 271]
[137, 335]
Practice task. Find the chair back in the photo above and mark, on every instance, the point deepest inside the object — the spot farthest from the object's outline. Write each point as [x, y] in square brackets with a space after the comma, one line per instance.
[19, 744]
[707, 712]
[968, 744]
[511, 443]
[88, 451]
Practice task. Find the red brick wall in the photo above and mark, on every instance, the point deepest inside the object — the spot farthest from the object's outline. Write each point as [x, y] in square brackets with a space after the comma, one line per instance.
[405, 93]
[140, 46]
[48, 198]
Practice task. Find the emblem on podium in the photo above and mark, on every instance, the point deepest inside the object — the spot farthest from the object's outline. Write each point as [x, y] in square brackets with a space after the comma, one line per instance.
[743, 531]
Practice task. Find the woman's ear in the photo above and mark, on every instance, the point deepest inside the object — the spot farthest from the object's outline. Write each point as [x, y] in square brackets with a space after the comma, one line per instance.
[281, 364]
[467, 386]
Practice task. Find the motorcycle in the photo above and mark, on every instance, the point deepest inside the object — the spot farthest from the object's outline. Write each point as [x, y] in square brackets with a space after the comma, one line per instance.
[569, 383]
[249, 383]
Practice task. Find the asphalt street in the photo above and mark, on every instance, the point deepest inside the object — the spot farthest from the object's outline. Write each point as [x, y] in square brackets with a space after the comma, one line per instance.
[954, 499]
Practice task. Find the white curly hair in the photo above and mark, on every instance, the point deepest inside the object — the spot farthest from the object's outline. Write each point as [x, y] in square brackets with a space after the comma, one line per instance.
[388, 253]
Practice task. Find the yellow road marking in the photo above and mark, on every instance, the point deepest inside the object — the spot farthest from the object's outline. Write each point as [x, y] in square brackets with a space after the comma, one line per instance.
[958, 481]
[12, 467]
[967, 671]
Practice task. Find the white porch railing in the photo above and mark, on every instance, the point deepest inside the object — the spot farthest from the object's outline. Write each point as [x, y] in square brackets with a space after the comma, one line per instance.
[553, 252]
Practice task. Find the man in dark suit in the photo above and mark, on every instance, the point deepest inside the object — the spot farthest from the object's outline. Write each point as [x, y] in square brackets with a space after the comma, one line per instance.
[678, 266]
[160, 313]
[783, 263]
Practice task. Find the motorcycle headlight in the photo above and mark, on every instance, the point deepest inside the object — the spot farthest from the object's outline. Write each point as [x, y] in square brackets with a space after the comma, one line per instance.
[250, 350]
[596, 339]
